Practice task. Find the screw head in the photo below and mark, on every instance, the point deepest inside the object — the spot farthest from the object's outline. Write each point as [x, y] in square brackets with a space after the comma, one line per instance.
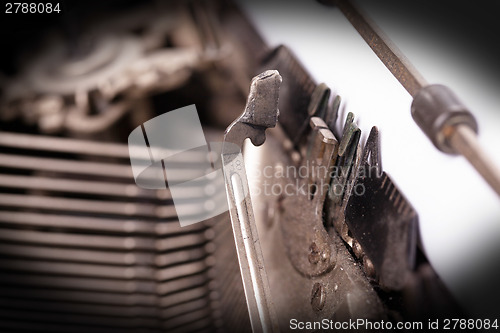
[318, 297]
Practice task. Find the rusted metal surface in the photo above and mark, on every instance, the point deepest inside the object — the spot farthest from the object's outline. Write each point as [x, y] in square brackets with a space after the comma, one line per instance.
[305, 257]
[308, 245]
[261, 112]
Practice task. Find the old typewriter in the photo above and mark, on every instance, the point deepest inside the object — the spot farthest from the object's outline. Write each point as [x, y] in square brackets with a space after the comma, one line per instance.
[330, 237]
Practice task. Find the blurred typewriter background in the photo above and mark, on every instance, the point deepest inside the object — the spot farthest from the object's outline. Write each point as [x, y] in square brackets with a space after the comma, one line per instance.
[82, 247]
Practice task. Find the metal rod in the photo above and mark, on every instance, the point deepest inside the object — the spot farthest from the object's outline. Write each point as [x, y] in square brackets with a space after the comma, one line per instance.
[85, 284]
[79, 186]
[72, 223]
[65, 145]
[77, 255]
[110, 170]
[77, 283]
[99, 224]
[464, 140]
[79, 205]
[94, 206]
[66, 166]
[77, 269]
[92, 148]
[75, 240]
[397, 63]
[102, 257]
[92, 241]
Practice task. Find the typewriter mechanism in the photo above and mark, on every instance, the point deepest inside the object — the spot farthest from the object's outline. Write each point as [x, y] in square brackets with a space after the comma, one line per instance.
[83, 248]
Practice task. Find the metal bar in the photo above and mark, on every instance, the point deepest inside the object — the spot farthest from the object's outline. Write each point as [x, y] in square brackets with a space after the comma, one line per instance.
[165, 228]
[81, 241]
[183, 296]
[182, 262]
[79, 308]
[91, 241]
[81, 269]
[77, 283]
[186, 319]
[173, 243]
[395, 61]
[89, 206]
[185, 308]
[78, 186]
[464, 140]
[64, 145]
[79, 255]
[97, 291]
[170, 287]
[95, 187]
[78, 223]
[163, 289]
[178, 257]
[66, 166]
[109, 170]
[91, 148]
[186, 269]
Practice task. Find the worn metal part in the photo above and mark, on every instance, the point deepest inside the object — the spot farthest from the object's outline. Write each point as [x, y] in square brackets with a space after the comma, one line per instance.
[296, 90]
[453, 129]
[382, 220]
[437, 111]
[261, 112]
[333, 113]
[308, 245]
[97, 251]
[346, 292]
[342, 183]
[317, 108]
[83, 248]
[371, 159]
